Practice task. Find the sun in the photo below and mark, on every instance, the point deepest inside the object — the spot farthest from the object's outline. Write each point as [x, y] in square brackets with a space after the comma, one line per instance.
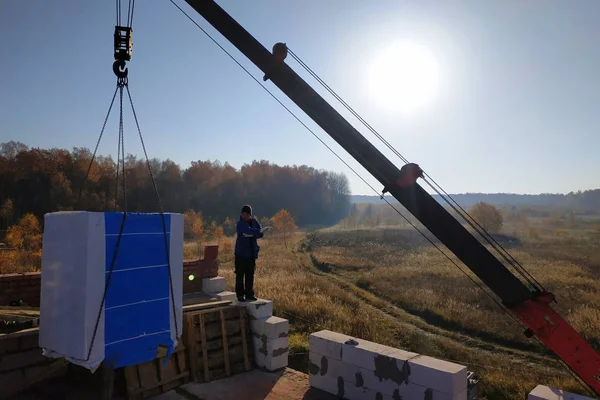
[403, 77]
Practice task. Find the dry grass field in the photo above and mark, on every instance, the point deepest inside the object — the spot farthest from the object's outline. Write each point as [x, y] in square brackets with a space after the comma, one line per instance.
[390, 286]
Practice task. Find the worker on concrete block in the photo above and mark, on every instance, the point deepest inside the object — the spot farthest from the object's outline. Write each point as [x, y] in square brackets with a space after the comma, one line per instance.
[246, 252]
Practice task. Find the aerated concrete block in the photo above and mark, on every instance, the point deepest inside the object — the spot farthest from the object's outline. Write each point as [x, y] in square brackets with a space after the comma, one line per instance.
[271, 327]
[542, 392]
[258, 309]
[413, 391]
[272, 354]
[442, 376]
[322, 365]
[225, 295]
[377, 357]
[213, 285]
[328, 343]
[270, 347]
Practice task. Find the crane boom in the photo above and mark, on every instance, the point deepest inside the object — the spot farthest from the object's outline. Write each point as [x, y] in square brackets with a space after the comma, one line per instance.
[532, 307]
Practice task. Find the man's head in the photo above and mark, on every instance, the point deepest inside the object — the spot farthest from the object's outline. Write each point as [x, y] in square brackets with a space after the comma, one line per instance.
[246, 213]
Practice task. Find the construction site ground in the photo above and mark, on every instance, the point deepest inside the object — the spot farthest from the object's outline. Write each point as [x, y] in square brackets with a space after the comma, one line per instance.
[254, 385]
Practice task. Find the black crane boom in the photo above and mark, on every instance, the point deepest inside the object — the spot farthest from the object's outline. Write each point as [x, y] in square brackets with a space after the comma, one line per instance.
[532, 307]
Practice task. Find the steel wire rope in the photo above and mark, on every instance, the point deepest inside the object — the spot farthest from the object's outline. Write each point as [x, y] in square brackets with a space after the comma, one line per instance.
[464, 214]
[122, 82]
[499, 304]
[519, 322]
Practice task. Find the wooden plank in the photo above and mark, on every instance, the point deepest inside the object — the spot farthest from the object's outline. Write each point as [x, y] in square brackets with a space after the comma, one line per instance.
[225, 349]
[214, 330]
[108, 382]
[204, 351]
[190, 339]
[153, 378]
[209, 310]
[244, 344]
[202, 306]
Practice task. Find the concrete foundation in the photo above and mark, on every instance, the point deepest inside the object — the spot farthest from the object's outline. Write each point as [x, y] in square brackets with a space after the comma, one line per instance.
[542, 392]
[359, 369]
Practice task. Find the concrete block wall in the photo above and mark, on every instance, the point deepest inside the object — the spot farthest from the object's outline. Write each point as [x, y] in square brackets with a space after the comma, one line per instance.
[269, 335]
[20, 287]
[21, 362]
[542, 392]
[358, 369]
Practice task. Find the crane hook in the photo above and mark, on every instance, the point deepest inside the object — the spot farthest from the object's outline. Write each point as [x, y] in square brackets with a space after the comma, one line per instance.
[120, 69]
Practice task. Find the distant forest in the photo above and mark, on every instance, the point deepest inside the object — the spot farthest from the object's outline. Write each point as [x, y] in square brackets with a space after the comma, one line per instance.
[40, 181]
[583, 202]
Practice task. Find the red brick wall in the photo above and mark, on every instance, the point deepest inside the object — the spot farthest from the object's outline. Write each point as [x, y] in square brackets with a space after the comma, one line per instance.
[201, 268]
[26, 287]
[22, 362]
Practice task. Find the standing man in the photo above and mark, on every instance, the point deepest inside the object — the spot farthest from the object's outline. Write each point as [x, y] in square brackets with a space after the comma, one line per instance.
[246, 252]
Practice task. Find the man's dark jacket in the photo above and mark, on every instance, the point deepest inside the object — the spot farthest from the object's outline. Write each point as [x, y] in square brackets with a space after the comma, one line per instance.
[248, 247]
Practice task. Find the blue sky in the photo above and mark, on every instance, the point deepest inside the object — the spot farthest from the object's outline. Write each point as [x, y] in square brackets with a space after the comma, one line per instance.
[516, 110]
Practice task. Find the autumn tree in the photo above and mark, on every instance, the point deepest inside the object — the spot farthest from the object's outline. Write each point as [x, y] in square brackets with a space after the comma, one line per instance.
[26, 235]
[229, 226]
[26, 238]
[193, 227]
[6, 212]
[284, 225]
[487, 216]
[71, 180]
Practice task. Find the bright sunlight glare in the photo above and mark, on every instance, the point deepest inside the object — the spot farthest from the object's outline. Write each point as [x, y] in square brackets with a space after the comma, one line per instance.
[403, 77]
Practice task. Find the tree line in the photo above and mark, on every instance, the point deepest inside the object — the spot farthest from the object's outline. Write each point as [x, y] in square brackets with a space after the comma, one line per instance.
[39, 181]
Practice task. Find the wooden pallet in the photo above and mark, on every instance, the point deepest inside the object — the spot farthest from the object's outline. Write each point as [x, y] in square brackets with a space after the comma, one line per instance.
[151, 378]
[219, 342]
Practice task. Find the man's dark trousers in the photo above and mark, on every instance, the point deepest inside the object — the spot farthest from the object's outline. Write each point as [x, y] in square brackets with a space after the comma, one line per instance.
[244, 268]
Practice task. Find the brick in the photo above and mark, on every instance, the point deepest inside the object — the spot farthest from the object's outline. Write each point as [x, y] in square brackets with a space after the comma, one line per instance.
[30, 341]
[542, 392]
[440, 375]
[213, 285]
[271, 327]
[10, 382]
[328, 343]
[257, 309]
[9, 345]
[21, 360]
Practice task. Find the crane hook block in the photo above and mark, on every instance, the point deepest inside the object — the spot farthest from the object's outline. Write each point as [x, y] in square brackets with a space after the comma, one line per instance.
[280, 52]
[123, 43]
[123, 47]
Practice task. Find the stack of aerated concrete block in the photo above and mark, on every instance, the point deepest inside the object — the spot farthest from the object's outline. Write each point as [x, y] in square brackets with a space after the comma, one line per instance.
[269, 333]
[358, 369]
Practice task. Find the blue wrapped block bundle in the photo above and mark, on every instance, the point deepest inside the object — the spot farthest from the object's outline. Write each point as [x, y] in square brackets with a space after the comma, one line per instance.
[97, 307]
